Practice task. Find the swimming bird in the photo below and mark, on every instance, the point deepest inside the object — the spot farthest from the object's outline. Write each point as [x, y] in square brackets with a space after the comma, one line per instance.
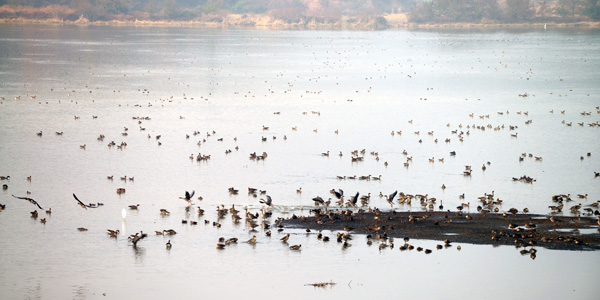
[30, 200]
[169, 245]
[2, 207]
[252, 240]
[82, 204]
[188, 196]
[285, 238]
[295, 247]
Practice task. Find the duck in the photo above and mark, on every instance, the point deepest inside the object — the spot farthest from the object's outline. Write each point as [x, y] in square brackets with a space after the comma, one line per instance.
[134, 207]
[169, 245]
[2, 207]
[82, 229]
[285, 238]
[252, 240]
[170, 232]
[295, 247]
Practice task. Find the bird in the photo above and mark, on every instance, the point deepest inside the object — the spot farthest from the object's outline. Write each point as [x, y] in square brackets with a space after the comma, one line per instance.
[354, 199]
[169, 245]
[2, 207]
[30, 200]
[295, 247]
[252, 240]
[82, 204]
[268, 202]
[285, 238]
[339, 194]
[137, 238]
[188, 196]
[318, 200]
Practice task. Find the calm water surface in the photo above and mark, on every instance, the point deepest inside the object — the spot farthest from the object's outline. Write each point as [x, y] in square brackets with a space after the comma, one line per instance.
[362, 84]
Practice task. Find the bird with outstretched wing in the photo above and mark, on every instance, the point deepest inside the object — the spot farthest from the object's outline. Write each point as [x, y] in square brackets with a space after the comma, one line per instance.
[83, 205]
[268, 202]
[188, 196]
[30, 200]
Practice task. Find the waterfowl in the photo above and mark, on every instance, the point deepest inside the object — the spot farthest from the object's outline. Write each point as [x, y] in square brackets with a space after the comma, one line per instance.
[170, 232]
[252, 240]
[169, 245]
[285, 238]
[220, 246]
[2, 207]
[188, 196]
[164, 212]
[82, 229]
[295, 247]
[5, 177]
[30, 201]
[136, 239]
[268, 202]
[134, 207]
[318, 200]
[82, 204]
[43, 221]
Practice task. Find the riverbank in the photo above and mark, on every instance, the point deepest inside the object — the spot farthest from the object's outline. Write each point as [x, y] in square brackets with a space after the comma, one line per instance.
[266, 22]
[522, 230]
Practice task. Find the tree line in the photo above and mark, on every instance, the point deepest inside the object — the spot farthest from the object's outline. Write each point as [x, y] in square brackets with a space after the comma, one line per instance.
[419, 11]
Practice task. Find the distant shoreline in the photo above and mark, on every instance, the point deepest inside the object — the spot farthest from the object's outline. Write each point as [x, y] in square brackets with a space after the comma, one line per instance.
[265, 22]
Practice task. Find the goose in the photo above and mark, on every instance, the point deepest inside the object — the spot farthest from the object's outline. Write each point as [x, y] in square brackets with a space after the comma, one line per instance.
[188, 196]
[268, 202]
[318, 200]
[30, 201]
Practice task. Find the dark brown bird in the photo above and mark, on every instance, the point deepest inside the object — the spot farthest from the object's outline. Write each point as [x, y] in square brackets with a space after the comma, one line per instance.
[82, 204]
[30, 200]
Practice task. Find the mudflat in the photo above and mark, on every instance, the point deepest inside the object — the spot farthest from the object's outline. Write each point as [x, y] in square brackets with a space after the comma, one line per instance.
[547, 231]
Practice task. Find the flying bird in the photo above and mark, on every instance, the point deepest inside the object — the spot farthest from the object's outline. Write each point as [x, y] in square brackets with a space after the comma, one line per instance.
[137, 238]
[354, 199]
[339, 194]
[188, 196]
[29, 199]
[268, 202]
[82, 204]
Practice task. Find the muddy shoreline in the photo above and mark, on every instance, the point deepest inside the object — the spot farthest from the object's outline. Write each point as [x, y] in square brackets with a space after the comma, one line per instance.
[523, 230]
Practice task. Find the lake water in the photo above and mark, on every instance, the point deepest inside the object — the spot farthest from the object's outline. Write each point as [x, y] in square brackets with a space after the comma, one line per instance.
[303, 86]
